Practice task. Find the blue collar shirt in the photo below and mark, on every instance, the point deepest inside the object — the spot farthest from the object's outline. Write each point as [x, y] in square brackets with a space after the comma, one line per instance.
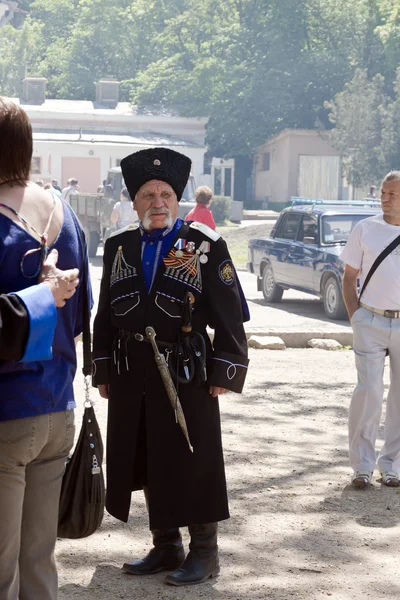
[155, 246]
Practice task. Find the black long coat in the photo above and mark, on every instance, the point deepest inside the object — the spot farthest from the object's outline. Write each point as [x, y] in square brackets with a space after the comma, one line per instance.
[145, 446]
[14, 327]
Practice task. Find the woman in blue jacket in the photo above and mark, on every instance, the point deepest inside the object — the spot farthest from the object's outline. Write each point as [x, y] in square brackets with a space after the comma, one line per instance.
[36, 392]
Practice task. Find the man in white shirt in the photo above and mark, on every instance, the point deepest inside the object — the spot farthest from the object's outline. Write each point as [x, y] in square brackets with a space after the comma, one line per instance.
[376, 329]
[71, 189]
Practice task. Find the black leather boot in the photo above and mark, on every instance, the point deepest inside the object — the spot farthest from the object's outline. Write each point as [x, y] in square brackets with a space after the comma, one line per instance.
[202, 561]
[167, 554]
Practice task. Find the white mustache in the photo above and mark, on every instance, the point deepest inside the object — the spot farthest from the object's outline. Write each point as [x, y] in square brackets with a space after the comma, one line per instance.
[156, 211]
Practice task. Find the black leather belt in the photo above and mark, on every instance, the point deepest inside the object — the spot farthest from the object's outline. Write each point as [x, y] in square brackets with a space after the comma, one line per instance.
[139, 337]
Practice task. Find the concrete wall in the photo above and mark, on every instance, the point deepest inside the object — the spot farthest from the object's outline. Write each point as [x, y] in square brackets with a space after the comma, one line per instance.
[73, 115]
[80, 136]
[305, 142]
[280, 182]
[98, 158]
[273, 184]
[87, 170]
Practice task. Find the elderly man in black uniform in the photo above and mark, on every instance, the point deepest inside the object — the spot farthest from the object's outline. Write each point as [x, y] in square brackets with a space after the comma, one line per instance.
[177, 278]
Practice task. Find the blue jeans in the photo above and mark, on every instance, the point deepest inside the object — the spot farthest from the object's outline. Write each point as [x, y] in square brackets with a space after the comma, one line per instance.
[33, 452]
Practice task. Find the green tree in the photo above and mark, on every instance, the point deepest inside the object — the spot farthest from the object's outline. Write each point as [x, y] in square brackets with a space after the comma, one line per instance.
[390, 133]
[17, 57]
[254, 67]
[388, 32]
[366, 129]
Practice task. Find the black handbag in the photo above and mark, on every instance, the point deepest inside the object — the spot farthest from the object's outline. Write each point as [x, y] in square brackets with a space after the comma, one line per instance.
[83, 491]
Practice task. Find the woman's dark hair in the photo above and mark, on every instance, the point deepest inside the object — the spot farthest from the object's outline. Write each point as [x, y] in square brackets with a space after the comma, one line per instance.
[16, 143]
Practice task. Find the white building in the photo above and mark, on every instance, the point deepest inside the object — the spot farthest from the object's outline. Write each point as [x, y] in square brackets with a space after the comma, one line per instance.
[10, 13]
[83, 139]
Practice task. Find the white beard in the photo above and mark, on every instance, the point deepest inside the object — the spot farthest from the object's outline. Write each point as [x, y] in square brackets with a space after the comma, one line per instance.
[146, 221]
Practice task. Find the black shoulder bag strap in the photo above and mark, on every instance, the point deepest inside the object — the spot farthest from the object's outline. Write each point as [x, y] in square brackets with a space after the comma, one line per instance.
[86, 341]
[388, 250]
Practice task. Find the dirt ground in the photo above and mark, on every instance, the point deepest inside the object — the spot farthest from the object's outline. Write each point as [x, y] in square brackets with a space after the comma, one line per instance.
[238, 238]
[297, 529]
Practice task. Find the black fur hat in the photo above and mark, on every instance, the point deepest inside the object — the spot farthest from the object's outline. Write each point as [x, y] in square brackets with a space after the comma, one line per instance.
[156, 163]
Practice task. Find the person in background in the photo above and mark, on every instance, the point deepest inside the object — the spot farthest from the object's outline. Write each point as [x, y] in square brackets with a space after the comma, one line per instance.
[51, 188]
[202, 213]
[37, 398]
[372, 192]
[123, 213]
[376, 329]
[71, 189]
[39, 182]
[54, 183]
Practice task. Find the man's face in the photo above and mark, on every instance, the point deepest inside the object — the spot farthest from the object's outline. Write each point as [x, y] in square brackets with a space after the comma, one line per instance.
[156, 205]
[390, 198]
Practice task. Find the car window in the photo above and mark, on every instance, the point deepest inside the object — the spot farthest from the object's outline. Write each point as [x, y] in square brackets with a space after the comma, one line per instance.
[287, 229]
[308, 228]
[336, 228]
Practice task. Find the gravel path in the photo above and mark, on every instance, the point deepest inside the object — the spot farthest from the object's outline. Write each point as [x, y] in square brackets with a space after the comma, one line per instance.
[298, 530]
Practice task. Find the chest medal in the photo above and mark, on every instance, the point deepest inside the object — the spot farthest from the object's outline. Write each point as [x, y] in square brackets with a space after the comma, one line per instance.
[183, 261]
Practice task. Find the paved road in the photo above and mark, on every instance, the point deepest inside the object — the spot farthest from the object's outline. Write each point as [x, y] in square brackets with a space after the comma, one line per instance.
[297, 313]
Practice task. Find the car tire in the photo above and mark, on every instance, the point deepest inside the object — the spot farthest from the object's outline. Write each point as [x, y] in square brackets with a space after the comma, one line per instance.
[271, 291]
[334, 305]
[94, 240]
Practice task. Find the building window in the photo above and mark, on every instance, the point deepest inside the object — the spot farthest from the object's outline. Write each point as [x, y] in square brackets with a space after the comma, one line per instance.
[266, 161]
[36, 165]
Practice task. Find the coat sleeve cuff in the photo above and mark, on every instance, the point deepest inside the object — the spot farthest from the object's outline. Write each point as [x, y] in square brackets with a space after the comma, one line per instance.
[101, 370]
[42, 312]
[228, 371]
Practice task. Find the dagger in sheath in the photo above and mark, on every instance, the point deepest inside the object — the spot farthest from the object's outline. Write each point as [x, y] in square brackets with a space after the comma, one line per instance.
[168, 384]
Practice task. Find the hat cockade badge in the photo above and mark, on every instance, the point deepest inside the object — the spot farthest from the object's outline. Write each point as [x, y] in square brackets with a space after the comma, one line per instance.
[157, 162]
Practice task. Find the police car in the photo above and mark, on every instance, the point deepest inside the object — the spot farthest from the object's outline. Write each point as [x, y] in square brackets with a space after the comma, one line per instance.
[302, 252]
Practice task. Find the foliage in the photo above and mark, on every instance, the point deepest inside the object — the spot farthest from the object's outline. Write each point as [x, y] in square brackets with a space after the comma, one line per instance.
[254, 67]
[17, 50]
[367, 131]
[220, 209]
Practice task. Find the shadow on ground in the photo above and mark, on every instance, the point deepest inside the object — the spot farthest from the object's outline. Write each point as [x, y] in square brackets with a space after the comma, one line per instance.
[298, 530]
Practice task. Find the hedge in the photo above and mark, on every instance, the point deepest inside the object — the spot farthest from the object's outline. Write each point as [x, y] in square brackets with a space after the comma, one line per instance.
[220, 209]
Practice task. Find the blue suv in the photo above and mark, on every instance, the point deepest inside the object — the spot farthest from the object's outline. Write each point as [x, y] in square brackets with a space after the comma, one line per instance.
[302, 252]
